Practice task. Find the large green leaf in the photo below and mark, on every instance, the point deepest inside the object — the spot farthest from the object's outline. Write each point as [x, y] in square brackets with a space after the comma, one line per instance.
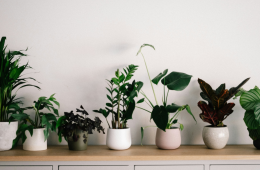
[176, 81]
[159, 77]
[172, 108]
[130, 110]
[257, 113]
[254, 133]
[250, 99]
[189, 111]
[160, 117]
[250, 121]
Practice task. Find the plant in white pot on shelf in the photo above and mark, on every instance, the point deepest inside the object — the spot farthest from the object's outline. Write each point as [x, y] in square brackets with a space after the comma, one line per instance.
[34, 133]
[75, 128]
[11, 80]
[167, 135]
[216, 135]
[121, 105]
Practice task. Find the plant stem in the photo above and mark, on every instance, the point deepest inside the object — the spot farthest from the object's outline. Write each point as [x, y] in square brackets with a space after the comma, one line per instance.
[167, 96]
[118, 108]
[149, 78]
[143, 109]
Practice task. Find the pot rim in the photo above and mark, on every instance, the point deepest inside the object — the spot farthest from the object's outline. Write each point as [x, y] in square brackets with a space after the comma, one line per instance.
[38, 128]
[176, 128]
[210, 126]
[118, 129]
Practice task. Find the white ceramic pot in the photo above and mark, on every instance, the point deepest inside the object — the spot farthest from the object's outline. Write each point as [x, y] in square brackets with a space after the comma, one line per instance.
[171, 139]
[215, 137]
[119, 139]
[35, 142]
[7, 134]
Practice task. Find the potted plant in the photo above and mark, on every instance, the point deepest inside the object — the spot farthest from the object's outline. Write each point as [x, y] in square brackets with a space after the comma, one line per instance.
[215, 136]
[167, 135]
[11, 80]
[121, 105]
[250, 101]
[75, 128]
[34, 133]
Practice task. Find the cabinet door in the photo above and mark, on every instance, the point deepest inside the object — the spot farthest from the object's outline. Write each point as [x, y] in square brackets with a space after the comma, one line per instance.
[93, 167]
[173, 167]
[25, 167]
[235, 167]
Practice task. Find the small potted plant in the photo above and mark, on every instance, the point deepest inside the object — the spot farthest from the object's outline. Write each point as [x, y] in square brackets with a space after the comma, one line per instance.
[121, 105]
[75, 128]
[34, 133]
[215, 136]
[167, 135]
[11, 80]
[250, 101]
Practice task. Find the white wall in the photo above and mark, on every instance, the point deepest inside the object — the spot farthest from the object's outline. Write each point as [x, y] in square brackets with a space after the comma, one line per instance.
[75, 45]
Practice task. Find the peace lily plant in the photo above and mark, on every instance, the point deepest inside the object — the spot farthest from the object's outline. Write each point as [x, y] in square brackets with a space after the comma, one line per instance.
[161, 114]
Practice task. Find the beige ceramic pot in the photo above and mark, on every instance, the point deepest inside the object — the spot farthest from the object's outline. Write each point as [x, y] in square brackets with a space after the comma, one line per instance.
[171, 139]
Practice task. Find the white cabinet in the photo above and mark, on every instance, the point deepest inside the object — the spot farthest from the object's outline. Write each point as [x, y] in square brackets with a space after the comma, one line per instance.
[173, 167]
[234, 167]
[25, 167]
[93, 167]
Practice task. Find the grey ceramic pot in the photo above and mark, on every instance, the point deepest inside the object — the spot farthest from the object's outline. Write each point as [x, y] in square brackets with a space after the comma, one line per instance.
[79, 141]
[215, 137]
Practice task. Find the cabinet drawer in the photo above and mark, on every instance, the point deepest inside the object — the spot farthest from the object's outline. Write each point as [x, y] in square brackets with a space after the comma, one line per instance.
[235, 167]
[93, 167]
[25, 167]
[172, 167]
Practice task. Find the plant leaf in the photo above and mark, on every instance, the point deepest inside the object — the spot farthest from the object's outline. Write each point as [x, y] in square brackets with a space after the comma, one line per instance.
[141, 100]
[159, 76]
[160, 117]
[144, 45]
[176, 81]
[250, 99]
[250, 121]
[172, 108]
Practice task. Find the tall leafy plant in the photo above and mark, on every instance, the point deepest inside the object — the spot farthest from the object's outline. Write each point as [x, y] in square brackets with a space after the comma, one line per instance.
[217, 109]
[160, 114]
[11, 79]
[41, 118]
[121, 97]
[250, 101]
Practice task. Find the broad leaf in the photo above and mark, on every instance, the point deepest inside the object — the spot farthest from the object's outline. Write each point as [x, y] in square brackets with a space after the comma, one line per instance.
[172, 108]
[249, 119]
[141, 100]
[130, 110]
[159, 77]
[254, 133]
[250, 99]
[257, 113]
[220, 89]
[160, 117]
[176, 81]
[181, 127]
[189, 111]
[235, 90]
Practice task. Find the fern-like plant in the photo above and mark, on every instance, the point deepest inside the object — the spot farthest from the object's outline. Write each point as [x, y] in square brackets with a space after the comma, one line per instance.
[121, 97]
[11, 79]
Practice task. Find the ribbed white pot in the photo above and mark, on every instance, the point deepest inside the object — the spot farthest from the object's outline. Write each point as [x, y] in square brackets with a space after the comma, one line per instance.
[215, 137]
[35, 142]
[119, 139]
[7, 134]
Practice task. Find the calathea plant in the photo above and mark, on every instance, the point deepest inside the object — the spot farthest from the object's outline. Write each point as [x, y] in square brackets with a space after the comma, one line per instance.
[121, 97]
[217, 109]
[41, 120]
[173, 81]
[11, 79]
[69, 123]
[250, 101]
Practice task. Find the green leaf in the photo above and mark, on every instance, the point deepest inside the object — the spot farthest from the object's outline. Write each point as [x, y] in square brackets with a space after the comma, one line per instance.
[60, 121]
[250, 99]
[109, 98]
[130, 110]
[254, 133]
[250, 121]
[176, 81]
[144, 45]
[160, 117]
[121, 78]
[20, 117]
[158, 77]
[181, 126]
[172, 108]
[117, 73]
[139, 85]
[109, 105]
[189, 111]
[175, 121]
[115, 80]
[241, 91]
[220, 89]
[141, 100]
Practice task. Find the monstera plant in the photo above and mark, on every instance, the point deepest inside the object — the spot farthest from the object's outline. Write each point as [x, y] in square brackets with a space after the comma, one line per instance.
[250, 101]
[161, 113]
[217, 109]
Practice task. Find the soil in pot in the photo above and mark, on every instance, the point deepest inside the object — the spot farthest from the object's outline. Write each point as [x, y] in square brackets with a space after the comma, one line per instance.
[79, 141]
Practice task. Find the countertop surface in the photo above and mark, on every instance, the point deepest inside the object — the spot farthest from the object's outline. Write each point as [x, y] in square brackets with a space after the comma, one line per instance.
[135, 153]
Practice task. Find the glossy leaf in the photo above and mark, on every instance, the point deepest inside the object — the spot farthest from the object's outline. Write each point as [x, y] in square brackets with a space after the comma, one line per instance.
[189, 111]
[220, 89]
[172, 108]
[235, 90]
[250, 121]
[181, 127]
[250, 99]
[141, 100]
[159, 77]
[254, 133]
[160, 117]
[176, 81]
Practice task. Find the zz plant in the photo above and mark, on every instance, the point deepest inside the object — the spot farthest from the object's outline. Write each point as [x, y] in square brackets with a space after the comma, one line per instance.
[41, 120]
[69, 123]
[11, 79]
[161, 113]
[217, 109]
[121, 97]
